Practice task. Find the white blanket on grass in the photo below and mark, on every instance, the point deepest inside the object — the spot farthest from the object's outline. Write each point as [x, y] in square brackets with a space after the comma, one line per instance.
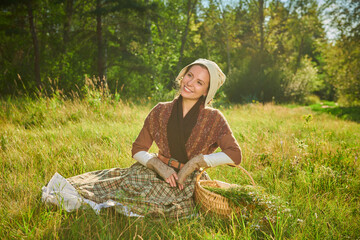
[61, 193]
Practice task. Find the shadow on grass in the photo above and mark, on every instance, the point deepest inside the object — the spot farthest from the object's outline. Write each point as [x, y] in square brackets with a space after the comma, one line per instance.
[109, 224]
[85, 224]
[345, 113]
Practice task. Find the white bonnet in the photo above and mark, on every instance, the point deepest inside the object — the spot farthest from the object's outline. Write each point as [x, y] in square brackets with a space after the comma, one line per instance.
[217, 77]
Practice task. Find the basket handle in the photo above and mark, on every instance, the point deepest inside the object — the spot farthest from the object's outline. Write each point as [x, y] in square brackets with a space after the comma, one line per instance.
[233, 165]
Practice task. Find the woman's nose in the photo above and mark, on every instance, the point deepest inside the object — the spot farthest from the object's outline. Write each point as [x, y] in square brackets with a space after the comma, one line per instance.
[190, 82]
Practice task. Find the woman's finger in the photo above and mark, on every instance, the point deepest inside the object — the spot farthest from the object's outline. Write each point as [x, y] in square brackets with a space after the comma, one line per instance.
[176, 176]
[171, 181]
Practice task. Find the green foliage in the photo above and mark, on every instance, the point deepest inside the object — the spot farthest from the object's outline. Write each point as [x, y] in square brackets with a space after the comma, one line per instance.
[269, 49]
[342, 68]
[250, 82]
[343, 54]
[301, 84]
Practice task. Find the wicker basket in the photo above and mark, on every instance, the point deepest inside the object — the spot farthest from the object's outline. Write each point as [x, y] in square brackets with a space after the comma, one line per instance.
[213, 202]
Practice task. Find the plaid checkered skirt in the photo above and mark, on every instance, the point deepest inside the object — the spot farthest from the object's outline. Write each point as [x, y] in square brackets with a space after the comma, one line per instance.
[142, 190]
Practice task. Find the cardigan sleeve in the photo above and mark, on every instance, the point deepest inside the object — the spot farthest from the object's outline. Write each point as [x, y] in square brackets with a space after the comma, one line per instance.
[144, 141]
[230, 147]
[227, 142]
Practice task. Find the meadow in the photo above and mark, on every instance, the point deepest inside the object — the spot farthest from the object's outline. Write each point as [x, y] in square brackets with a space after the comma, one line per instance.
[308, 159]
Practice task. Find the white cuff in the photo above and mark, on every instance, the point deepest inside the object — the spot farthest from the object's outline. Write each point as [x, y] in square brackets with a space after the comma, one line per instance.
[143, 157]
[216, 159]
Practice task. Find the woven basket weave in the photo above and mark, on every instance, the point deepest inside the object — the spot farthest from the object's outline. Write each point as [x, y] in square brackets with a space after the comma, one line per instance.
[213, 202]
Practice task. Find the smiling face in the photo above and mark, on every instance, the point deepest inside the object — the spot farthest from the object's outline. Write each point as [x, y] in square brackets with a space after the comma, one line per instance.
[195, 83]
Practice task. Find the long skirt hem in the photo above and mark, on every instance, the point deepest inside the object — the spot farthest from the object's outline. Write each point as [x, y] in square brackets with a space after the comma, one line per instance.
[135, 191]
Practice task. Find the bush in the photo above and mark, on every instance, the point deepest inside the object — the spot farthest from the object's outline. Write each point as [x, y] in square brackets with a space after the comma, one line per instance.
[297, 86]
[256, 78]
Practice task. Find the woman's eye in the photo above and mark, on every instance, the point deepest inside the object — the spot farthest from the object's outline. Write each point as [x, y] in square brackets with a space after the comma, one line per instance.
[200, 83]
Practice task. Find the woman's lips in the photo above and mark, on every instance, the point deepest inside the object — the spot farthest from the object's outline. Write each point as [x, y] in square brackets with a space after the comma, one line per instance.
[187, 89]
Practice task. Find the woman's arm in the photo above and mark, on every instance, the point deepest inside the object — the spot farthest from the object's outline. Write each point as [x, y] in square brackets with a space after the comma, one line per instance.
[230, 152]
[141, 146]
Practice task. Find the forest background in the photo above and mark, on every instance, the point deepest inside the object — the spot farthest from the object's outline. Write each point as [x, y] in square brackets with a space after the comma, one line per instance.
[271, 50]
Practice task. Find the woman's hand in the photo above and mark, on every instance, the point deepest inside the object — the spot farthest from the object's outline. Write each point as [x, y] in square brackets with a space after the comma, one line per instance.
[193, 164]
[172, 180]
[161, 168]
[166, 172]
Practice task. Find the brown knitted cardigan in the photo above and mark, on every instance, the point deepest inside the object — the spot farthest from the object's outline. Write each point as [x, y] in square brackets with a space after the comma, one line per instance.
[210, 132]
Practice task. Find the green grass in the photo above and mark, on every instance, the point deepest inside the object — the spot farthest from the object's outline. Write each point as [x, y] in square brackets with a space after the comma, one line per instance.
[307, 159]
[346, 113]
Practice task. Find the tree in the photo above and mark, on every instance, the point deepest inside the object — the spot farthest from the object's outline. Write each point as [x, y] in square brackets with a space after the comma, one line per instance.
[343, 57]
[19, 47]
[29, 5]
[190, 9]
[266, 47]
[254, 77]
[101, 61]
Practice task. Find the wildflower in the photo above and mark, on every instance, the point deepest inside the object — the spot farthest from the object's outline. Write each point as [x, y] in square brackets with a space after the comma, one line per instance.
[308, 118]
[286, 210]
[256, 226]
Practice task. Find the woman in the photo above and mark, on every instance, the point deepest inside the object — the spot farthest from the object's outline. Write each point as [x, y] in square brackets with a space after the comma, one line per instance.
[187, 132]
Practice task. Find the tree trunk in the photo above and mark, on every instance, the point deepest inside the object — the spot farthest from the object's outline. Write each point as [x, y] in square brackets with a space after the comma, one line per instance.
[228, 56]
[261, 53]
[190, 7]
[66, 29]
[36, 45]
[100, 45]
[67, 23]
[228, 52]
[148, 27]
[298, 59]
[261, 24]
